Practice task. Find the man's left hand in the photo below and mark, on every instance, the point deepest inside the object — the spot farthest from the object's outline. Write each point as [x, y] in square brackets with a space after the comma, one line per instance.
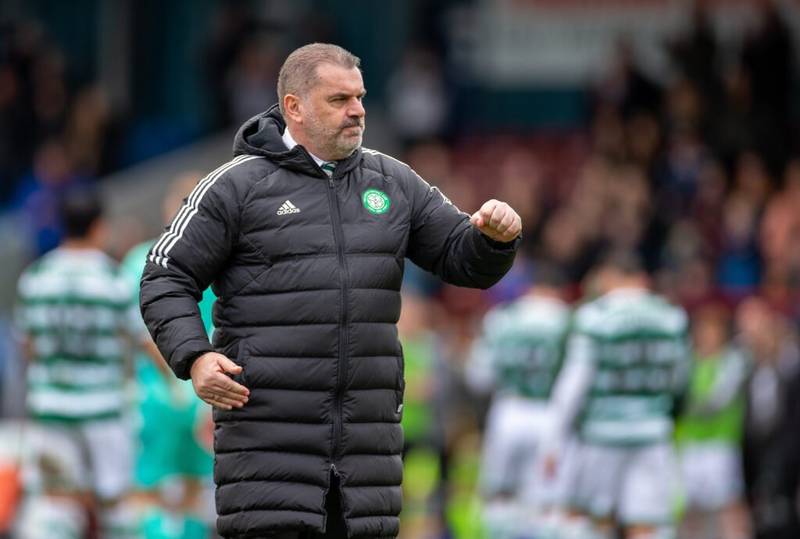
[497, 220]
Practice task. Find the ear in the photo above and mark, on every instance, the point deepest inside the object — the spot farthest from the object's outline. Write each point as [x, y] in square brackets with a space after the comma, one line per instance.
[293, 108]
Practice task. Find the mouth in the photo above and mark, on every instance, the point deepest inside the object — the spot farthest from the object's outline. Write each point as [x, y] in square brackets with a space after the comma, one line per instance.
[352, 131]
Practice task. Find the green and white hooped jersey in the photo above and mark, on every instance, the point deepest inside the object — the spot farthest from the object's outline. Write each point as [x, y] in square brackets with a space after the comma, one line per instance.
[521, 346]
[637, 344]
[76, 309]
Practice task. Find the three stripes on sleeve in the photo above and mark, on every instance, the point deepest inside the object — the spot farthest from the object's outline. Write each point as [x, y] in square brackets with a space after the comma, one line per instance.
[159, 254]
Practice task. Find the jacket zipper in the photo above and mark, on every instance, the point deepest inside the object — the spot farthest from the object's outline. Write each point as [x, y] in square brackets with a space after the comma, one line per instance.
[338, 235]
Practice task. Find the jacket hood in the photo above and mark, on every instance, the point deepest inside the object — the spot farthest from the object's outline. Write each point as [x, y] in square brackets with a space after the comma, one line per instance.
[263, 135]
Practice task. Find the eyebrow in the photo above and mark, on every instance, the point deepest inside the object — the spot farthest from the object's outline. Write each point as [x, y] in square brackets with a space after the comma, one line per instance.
[343, 94]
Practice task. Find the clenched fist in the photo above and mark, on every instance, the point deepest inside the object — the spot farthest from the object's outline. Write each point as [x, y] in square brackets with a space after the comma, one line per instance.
[497, 220]
[213, 385]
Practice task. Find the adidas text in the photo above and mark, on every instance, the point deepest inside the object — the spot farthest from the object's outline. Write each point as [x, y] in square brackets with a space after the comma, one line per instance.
[287, 207]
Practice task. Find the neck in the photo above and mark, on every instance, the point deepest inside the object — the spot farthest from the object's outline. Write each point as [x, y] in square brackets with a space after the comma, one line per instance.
[630, 283]
[541, 291]
[300, 137]
[80, 244]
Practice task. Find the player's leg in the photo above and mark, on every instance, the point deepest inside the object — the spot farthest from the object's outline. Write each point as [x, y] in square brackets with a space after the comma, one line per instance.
[712, 475]
[110, 449]
[55, 477]
[497, 474]
[597, 489]
[551, 488]
[51, 517]
[696, 521]
[193, 463]
[154, 432]
[733, 515]
[157, 442]
[563, 516]
[735, 520]
[649, 490]
[566, 513]
[500, 473]
[651, 532]
[533, 494]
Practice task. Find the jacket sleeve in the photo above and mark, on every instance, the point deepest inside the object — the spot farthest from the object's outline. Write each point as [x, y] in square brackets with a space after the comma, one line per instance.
[181, 265]
[443, 241]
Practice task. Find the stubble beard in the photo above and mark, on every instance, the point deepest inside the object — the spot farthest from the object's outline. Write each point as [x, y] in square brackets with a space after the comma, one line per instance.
[332, 140]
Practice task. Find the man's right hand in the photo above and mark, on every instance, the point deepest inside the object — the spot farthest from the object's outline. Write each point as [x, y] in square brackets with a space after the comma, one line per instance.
[214, 386]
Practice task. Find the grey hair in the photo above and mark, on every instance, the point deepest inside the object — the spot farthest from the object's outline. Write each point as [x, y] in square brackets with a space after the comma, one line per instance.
[298, 73]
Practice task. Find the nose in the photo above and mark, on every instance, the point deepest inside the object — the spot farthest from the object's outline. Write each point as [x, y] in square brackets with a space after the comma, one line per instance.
[356, 108]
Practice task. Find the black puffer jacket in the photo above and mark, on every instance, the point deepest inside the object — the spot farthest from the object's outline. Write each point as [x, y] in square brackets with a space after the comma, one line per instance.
[307, 270]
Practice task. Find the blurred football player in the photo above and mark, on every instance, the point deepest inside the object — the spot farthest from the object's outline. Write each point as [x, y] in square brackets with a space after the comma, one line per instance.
[77, 316]
[517, 358]
[172, 464]
[624, 372]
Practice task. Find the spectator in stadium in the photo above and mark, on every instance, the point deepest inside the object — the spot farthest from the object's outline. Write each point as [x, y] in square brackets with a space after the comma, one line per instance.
[770, 430]
[626, 86]
[75, 312]
[768, 56]
[696, 53]
[709, 432]
[39, 192]
[417, 97]
[423, 448]
[303, 237]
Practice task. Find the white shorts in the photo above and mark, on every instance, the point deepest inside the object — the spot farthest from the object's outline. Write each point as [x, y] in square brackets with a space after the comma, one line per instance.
[712, 475]
[95, 456]
[513, 431]
[43, 517]
[546, 491]
[634, 485]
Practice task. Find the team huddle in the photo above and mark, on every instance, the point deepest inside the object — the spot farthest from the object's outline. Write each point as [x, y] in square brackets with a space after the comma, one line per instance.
[579, 437]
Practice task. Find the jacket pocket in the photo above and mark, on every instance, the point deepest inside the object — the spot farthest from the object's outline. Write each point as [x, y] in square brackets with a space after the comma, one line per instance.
[242, 356]
[400, 384]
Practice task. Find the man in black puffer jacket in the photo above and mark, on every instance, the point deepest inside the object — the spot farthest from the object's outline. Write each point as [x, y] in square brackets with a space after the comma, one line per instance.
[303, 237]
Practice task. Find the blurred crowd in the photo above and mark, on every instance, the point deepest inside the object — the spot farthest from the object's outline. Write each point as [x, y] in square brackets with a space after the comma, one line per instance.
[55, 132]
[698, 172]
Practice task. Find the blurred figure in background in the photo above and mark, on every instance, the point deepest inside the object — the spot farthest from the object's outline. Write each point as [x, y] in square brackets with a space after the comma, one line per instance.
[771, 431]
[252, 78]
[74, 312]
[232, 27]
[695, 53]
[625, 85]
[425, 463]
[92, 133]
[624, 372]
[173, 465]
[768, 56]
[709, 432]
[418, 101]
[39, 193]
[517, 357]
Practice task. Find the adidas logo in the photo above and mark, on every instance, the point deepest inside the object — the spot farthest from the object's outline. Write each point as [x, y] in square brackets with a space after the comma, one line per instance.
[287, 207]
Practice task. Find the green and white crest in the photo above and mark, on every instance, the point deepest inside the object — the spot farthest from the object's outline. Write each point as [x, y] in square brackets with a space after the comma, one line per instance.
[375, 201]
